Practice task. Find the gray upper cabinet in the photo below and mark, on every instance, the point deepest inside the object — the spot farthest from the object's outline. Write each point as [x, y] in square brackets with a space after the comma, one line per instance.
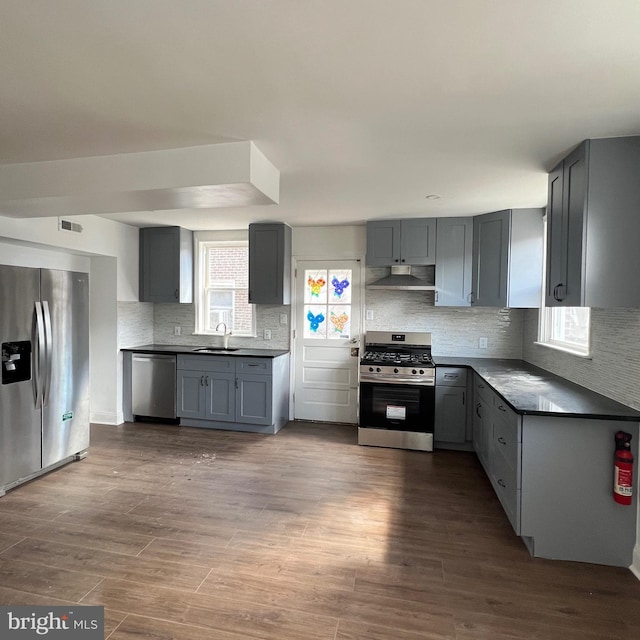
[394, 242]
[454, 246]
[507, 259]
[166, 264]
[269, 263]
[593, 226]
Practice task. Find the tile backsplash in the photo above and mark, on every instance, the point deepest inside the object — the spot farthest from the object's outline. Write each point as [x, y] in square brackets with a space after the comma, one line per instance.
[614, 366]
[455, 331]
[135, 324]
[146, 323]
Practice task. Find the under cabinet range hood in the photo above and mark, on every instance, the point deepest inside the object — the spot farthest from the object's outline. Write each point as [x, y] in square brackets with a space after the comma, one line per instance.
[401, 279]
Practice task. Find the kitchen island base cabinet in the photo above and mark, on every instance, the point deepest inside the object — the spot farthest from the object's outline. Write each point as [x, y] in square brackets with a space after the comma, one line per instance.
[233, 393]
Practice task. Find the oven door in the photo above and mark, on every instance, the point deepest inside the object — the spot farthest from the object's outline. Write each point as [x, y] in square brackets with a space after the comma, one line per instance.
[398, 407]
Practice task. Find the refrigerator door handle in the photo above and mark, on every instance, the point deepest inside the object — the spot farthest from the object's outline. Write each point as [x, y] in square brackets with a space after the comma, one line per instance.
[40, 359]
[49, 350]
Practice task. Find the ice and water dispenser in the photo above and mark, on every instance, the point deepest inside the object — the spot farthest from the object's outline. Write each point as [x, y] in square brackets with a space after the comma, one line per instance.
[16, 361]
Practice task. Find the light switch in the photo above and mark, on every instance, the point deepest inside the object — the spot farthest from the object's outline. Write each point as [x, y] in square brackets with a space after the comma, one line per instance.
[369, 314]
[267, 334]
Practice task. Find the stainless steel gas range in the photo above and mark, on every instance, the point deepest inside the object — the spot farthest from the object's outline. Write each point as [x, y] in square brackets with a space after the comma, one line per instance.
[397, 391]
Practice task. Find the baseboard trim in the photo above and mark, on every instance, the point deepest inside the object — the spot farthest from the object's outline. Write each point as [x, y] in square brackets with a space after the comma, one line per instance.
[635, 567]
[106, 417]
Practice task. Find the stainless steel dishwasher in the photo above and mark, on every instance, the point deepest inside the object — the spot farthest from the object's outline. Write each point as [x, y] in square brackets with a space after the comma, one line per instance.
[153, 388]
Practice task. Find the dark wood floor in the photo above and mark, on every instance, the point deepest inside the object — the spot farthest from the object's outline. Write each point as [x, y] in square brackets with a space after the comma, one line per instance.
[193, 534]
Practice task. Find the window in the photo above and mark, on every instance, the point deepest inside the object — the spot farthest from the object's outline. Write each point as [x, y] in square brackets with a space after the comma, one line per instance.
[566, 328]
[223, 291]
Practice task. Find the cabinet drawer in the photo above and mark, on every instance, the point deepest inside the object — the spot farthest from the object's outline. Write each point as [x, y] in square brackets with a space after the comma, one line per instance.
[206, 363]
[482, 390]
[451, 377]
[505, 483]
[507, 417]
[254, 365]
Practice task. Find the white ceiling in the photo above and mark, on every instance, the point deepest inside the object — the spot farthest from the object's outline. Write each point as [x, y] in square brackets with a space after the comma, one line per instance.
[365, 106]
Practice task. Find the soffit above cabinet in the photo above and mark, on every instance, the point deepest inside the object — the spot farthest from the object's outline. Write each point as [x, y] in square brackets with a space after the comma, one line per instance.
[207, 176]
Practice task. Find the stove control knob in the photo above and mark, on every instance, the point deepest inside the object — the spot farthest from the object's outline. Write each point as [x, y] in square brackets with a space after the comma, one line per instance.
[421, 371]
[378, 369]
[395, 371]
[414, 372]
[371, 369]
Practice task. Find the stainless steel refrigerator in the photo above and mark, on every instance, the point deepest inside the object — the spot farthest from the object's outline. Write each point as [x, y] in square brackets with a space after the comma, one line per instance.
[44, 394]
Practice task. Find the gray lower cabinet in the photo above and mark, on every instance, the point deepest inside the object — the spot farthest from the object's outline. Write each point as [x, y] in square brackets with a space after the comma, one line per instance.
[166, 265]
[206, 388]
[238, 393]
[450, 429]
[254, 390]
[553, 478]
[497, 433]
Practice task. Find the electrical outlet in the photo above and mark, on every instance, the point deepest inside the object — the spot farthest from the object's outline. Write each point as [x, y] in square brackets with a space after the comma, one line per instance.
[369, 314]
[267, 334]
[177, 330]
[483, 343]
[283, 318]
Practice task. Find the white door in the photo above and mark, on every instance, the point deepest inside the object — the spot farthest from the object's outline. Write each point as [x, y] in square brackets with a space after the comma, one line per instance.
[327, 340]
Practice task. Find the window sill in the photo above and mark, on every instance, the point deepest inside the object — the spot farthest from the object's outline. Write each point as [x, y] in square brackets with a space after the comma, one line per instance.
[556, 347]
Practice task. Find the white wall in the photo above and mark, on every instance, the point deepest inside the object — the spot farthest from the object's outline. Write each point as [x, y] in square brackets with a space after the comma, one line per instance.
[99, 237]
[108, 251]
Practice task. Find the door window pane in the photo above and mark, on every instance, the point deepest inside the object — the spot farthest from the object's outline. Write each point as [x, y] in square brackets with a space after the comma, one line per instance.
[327, 310]
[315, 290]
[315, 324]
[339, 321]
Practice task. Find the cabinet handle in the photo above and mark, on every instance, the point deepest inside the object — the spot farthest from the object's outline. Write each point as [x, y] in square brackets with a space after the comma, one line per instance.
[450, 376]
[206, 381]
[177, 294]
[556, 295]
[253, 365]
[501, 407]
[471, 298]
[237, 385]
[501, 483]
[501, 440]
[396, 260]
[202, 381]
[478, 410]
[436, 296]
[463, 396]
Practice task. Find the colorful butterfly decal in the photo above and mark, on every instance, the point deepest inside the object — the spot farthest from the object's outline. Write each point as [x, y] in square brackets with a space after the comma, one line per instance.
[339, 321]
[314, 321]
[316, 286]
[338, 286]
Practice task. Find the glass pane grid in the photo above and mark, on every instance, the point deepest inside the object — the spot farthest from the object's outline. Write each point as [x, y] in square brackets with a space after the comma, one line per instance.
[327, 309]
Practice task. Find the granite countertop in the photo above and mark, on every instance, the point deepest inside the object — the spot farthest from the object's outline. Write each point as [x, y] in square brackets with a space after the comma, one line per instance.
[187, 349]
[529, 390]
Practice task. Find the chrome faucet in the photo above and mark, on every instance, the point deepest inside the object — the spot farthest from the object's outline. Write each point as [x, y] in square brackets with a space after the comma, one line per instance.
[225, 335]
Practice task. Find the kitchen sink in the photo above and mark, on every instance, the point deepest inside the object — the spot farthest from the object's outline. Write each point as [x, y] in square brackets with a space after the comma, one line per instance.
[215, 349]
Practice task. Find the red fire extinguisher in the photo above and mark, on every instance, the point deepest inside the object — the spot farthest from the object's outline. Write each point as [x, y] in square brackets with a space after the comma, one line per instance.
[623, 469]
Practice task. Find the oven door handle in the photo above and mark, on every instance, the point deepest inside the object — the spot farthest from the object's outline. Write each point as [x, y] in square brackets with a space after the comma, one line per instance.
[418, 382]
